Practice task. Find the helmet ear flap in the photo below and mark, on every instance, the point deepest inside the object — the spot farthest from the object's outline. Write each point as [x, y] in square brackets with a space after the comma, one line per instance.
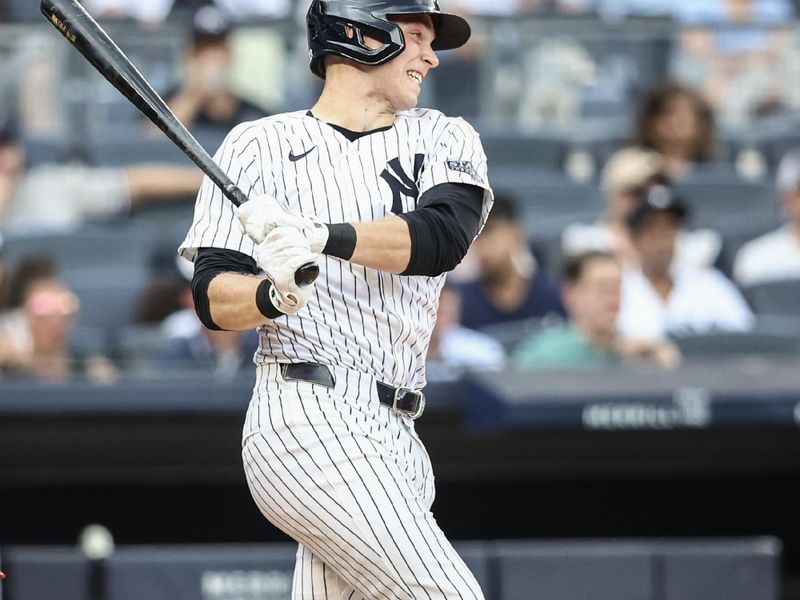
[339, 28]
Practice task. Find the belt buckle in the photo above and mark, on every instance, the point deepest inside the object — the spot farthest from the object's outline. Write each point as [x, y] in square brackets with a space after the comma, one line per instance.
[408, 403]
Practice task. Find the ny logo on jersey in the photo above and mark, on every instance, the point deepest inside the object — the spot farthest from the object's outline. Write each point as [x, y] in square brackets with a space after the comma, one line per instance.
[400, 183]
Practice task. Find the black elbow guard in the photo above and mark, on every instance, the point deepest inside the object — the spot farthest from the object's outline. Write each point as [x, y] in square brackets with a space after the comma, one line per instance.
[200, 282]
[442, 228]
[434, 248]
[209, 263]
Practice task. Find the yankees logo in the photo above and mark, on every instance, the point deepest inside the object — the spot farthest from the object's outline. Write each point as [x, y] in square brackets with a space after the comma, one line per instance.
[400, 183]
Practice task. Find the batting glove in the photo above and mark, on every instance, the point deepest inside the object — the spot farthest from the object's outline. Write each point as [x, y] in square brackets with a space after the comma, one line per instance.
[261, 215]
[283, 251]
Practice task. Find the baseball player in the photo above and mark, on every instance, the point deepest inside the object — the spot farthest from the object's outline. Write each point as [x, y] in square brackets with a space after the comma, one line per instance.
[385, 198]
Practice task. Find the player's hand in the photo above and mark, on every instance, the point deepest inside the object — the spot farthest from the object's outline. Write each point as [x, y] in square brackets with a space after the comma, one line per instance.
[262, 214]
[283, 251]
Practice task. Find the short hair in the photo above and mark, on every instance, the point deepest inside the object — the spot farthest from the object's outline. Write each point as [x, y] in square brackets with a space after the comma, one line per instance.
[575, 266]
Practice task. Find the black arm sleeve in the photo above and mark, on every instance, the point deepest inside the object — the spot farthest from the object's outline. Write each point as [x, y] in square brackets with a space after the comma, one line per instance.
[442, 227]
[209, 263]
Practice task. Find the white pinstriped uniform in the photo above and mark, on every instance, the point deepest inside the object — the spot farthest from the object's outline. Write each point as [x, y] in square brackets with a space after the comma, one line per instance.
[335, 469]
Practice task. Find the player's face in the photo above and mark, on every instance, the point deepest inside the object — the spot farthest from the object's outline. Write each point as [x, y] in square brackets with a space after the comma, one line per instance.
[399, 81]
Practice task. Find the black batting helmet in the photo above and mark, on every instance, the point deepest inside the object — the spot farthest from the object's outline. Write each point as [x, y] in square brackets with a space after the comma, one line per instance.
[329, 21]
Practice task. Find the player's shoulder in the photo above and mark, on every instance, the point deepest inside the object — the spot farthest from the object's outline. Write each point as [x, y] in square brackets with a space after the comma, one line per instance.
[248, 130]
[437, 123]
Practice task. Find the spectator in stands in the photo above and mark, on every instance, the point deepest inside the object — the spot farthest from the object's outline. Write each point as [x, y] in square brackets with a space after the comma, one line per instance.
[147, 12]
[62, 197]
[206, 97]
[678, 123]
[188, 345]
[660, 297]
[510, 285]
[591, 294]
[739, 53]
[35, 339]
[625, 175]
[776, 255]
[455, 348]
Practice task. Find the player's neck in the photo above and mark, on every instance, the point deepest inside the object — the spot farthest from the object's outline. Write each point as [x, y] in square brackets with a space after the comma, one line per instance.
[348, 104]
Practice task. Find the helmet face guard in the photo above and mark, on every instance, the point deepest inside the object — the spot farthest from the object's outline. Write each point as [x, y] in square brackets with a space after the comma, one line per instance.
[338, 27]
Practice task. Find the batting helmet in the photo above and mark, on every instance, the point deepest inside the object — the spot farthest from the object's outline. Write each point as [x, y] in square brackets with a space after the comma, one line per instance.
[338, 27]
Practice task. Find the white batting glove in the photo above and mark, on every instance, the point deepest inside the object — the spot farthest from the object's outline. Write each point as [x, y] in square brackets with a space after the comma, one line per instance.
[261, 215]
[283, 251]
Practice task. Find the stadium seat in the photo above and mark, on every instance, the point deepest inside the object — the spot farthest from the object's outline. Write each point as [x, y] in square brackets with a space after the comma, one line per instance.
[765, 339]
[193, 572]
[506, 148]
[566, 571]
[89, 247]
[121, 147]
[720, 570]
[107, 295]
[728, 203]
[44, 150]
[548, 200]
[778, 298]
[45, 573]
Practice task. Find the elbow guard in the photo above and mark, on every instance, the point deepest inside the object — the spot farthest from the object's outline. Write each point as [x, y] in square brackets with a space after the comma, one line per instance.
[442, 228]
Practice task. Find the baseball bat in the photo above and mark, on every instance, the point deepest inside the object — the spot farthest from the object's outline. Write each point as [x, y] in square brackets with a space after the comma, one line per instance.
[80, 29]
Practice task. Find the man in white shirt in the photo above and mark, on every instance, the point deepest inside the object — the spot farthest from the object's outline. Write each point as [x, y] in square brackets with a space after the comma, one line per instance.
[775, 256]
[660, 297]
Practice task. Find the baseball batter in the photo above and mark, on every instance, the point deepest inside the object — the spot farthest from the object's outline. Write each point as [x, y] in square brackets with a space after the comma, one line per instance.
[386, 198]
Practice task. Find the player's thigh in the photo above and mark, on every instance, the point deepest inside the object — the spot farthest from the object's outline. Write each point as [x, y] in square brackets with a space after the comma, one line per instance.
[345, 494]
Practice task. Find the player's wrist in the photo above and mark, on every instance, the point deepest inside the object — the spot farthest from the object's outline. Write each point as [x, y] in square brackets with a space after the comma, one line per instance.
[264, 300]
[341, 241]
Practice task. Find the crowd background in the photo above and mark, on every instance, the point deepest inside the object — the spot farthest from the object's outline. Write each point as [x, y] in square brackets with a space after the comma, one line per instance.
[645, 155]
[583, 106]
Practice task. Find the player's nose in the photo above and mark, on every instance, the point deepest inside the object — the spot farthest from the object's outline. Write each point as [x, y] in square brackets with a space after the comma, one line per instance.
[429, 57]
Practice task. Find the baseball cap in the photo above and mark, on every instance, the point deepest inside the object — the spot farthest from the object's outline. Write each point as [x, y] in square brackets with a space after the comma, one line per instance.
[630, 168]
[209, 24]
[656, 199]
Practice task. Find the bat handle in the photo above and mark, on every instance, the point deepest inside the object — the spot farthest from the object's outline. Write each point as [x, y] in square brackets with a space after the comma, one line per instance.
[306, 274]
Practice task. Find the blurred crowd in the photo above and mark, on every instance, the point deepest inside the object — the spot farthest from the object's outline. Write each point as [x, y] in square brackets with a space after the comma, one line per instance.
[660, 230]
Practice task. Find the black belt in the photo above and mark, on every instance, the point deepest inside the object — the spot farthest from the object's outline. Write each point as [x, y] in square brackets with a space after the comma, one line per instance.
[404, 401]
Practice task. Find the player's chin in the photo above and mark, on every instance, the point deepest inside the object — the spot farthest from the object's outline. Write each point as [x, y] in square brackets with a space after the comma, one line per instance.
[408, 102]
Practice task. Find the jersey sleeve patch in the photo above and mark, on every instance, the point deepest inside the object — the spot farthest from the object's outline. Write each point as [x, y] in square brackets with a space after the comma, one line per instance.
[464, 166]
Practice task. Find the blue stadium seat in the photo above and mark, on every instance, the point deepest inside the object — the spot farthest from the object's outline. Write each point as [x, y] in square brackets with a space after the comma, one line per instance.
[108, 295]
[721, 570]
[767, 338]
[45, 573]
[548, 200]
[728, 203]
[510, 148]
[193, 572]
[571, 570]
[131, 144]
[778, 298]
[89, 247]
[44, 150]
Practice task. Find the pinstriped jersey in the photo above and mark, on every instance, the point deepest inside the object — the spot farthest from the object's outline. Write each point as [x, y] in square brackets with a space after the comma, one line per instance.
[359, 318]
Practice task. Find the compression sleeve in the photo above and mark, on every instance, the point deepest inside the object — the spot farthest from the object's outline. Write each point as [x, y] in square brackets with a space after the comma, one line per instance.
[209, 263]
[442, 227]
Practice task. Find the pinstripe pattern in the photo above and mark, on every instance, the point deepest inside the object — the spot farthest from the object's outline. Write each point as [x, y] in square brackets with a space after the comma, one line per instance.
[369, 321]
[341, 473]
[350, 480]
